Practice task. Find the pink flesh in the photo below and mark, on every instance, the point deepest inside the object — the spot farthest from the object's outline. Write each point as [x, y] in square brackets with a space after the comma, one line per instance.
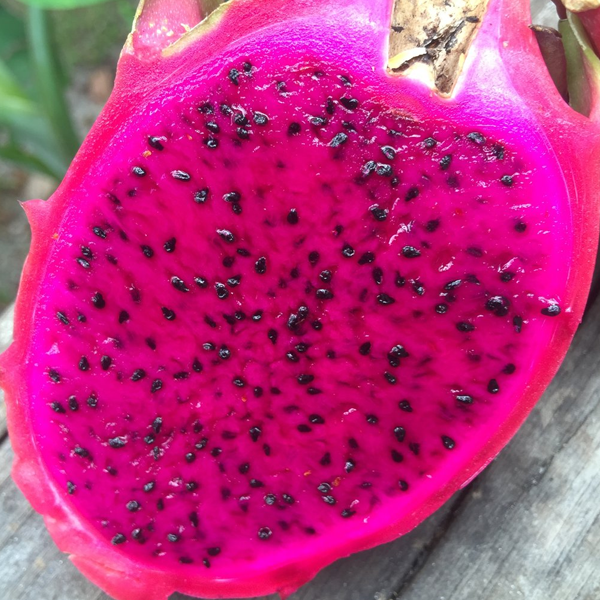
[274, 171]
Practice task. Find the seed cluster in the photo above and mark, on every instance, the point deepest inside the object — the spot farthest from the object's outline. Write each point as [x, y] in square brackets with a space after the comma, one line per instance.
[282, 313]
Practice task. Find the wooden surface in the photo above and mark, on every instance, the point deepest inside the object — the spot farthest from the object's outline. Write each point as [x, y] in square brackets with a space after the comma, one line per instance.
[528, 527]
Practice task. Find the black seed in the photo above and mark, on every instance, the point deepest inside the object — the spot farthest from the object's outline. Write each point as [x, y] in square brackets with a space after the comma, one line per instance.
[348, 251]
[256, 483]
[325, 459]
[168, 314]
[226, 235]
[54, 375]
[507, 276]
[264, 533]
[498, 151]
[213, 127]
[133, 506]
[211, 143]
[224, 352]
[452, 285]
[173, 537]
[98, 300]
[448, 442]
[432, 225]
[366, 258]
[138, 374]
[190, 457]
[79, 451]
[84, 364]
[429, 143]
[242, 133]
[209, 346]
[385, 299]
[233, 76]
[377, 276]
[178, 284]
[201, 196]
[156, 386]
[441, 309]
[215, 551]
[105, 362]
[476, 137]
[350, 465]
[83, 262]
[323, 294]
[338, 140]
[445, 162]
[400, 433]
[507, 180]
[255, 433]
[325, 275]
[389, 152]
[291, 356]
[294, 128]
[405, 406]
[499, 305]
[347, 513]
[117, 442]
[553, 310]
[518, 323]
[318, 121]
[222, 291]
[180, 175]
[368, 168]
[410, 252]
[260, 118]
[364, 348]
[292, 217]
[465, 398]
[272, 334]
[328, 500]
[201, 282]
[465, 326]
[57, 407]
[390, 378]
[148, 487]
[62, 318]
[138, 171]
[313, 391]
[509, 369]
[73, 404]
[316, 419]
[201, 444]
[191, 486]
[384, 170]
[118, 539]
[302, 428]
[349, 103]
[305, 379]
[402, 485]
[238, 382]
[493, 387]
[330, 106]
[412, 193]
[379, 214]
[197, 366]
[156, 142]
[261, 265]
[302, 347]
[397, 457]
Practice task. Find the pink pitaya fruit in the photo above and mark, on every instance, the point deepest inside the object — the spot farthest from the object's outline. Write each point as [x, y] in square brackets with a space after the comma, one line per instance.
[285, 303]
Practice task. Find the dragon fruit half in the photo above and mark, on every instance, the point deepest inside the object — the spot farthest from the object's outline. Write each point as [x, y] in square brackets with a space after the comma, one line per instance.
[287, 301]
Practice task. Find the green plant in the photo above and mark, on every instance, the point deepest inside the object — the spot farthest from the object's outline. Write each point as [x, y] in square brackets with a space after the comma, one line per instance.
[36, 126]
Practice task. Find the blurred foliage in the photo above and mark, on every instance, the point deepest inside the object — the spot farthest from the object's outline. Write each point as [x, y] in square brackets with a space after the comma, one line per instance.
[39, 49]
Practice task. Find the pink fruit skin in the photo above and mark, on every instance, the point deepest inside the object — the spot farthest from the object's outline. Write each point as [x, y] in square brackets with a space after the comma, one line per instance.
[494, 89]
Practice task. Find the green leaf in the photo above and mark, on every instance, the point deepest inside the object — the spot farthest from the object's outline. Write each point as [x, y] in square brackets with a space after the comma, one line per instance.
[583, 66]
[22, 158]
[49, 78]
[61, 4]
